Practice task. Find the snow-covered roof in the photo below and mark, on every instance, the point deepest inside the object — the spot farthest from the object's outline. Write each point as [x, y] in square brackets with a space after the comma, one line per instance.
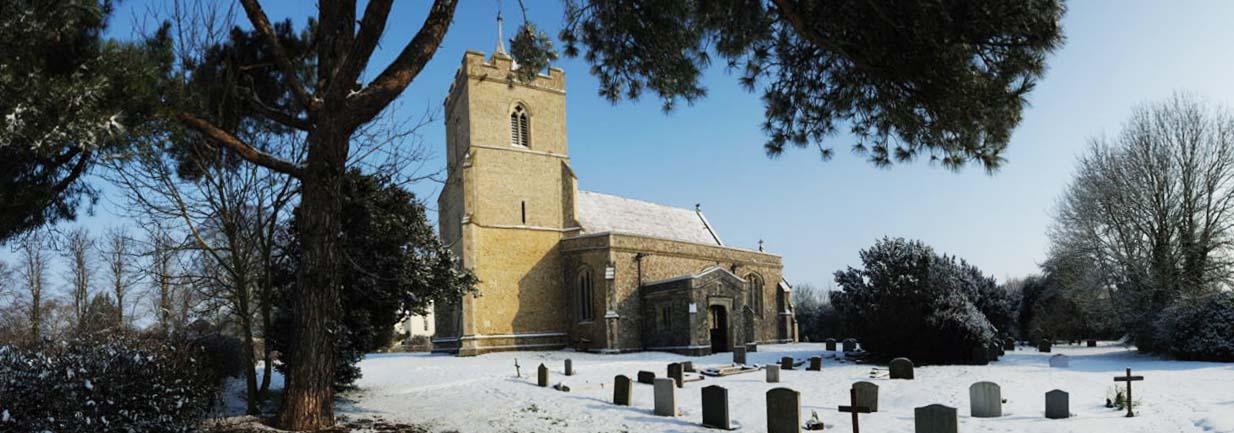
[599, 213]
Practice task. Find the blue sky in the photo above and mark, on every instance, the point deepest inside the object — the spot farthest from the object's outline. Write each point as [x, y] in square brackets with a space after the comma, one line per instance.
[817, 214]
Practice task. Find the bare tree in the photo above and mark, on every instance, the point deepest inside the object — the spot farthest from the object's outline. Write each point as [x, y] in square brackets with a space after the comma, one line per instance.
[122, 277]
[1152, 209]
[77, 252]
[34, 268]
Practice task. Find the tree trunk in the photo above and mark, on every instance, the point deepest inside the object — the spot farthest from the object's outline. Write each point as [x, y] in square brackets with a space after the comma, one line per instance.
[250, 357]
[308, 397]
[266, 323]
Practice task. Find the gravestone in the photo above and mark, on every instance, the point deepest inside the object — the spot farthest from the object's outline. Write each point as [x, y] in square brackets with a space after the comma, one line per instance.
[773, 373]
[1044, 345]
[1060, 361]
[786, 363]
[867, 395]
[850, 344]
[831, 344]
[675, 372]
[569, 367]
[985, 400]
[666, 397]
[739, 355]
[1009, 344]
[751, 347]
[980, 356]
[715, 407]
[783, 411]
[1057, 404]
[1092, 343]
[621, 390]
[542, 376]
[935, 418]
[816, 363]
[901, 368]
[1129, 378]
[688, 366]
[646, 377]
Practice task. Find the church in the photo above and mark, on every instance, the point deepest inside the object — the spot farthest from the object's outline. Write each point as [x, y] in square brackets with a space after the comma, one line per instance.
[560, 267]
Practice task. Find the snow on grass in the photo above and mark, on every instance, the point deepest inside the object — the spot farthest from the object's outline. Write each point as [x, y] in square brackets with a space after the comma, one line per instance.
[481, 394]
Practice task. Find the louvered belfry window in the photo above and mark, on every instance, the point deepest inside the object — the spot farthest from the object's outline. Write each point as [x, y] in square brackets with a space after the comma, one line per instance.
[520, 131]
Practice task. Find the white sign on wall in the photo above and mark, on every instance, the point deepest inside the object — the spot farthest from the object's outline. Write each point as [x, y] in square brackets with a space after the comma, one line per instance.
[693, 308]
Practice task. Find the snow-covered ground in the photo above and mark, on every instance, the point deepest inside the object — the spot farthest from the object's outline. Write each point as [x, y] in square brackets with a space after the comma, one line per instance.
[481, 394]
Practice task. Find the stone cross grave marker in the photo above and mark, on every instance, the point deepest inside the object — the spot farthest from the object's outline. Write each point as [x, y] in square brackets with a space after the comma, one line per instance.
[901, 368]
[621, 390]
[773, 373]
[985, 400]
[935, 418]
[517, 369]
[542, 376]
[715, 407]
[786, 363]
[816, 363]
[646, 377]
[1060, 361]
[569, 367]
[739, 355]
[1057, 404]
[831, 344]
[783, 411]
[1129, 378]
[675, 371]
[854, 408]
[666, 397]
[867, 395]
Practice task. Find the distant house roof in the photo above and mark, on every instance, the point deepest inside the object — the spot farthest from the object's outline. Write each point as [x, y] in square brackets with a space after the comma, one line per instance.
[599, 213]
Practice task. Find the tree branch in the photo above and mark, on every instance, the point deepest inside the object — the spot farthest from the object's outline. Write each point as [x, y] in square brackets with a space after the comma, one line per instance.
[257, 16]
[399, 73]
[372, 26]
[788, 9]
[234, 143]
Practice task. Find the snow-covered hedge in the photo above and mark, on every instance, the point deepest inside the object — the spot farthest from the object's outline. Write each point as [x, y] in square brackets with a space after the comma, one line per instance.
[1199, 329]
[906, 300]
[118, 385]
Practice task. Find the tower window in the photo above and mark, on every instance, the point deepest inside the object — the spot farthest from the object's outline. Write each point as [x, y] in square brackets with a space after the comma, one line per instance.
[524, 209]
[585, 311]
[520, 134]
[754, 284]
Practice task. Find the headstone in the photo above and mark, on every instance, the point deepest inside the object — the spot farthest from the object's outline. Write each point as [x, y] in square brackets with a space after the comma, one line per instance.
[1129, 378]
[980, 356]
[831, 344]
[1092, 343]
[675, 372]
[867, 395]
[786, 363]
[1009, 344]
[688, 366]
[569, 367]
[773, 373]
[739, 355]
[1044, 345]
[646, 377]
[850, 344]
[542, 376]
[1057, 404]
[1060, 361]
[715, 407]
[621, 390]
[901, 368]
[666, 397]
[985, 400]
[854, 409]
[751, 347]
[935, 418]
[783, 411]
[816, 363]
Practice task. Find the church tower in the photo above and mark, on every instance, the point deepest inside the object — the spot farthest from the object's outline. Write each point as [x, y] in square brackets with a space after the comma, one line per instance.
[507, 202]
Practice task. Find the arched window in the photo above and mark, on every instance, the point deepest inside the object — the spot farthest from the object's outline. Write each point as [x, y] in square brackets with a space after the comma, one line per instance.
[586, 311]
[754, 293]
[520, 132]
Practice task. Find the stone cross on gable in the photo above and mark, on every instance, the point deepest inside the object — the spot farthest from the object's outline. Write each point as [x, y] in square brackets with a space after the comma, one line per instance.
[1128, 378]
[854, 409]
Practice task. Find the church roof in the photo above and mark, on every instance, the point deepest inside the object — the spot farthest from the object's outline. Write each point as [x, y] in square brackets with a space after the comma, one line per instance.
[599, 213]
